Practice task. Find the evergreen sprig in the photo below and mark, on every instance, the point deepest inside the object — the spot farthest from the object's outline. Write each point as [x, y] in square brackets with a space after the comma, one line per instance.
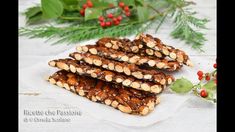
[144, 14]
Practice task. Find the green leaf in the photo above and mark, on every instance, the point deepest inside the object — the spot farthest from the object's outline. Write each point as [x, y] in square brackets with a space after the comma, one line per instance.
[70, 2]
[52, 8]
[181, 86]
[143, 13]
[35, 19]
[32, 11]
[139, 2]
[92, 13]
[210, 85]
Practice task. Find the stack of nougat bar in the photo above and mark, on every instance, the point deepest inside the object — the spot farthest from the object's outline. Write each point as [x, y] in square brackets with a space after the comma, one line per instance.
[127, 75]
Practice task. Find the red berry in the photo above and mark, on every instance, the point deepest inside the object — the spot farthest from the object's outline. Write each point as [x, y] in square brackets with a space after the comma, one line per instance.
[102, 24]
[208, 78]
[127, 14]
[84, 6]
[126, 9]
[82, 12]
[89, 3]
[215, 65]
[200, 73]
[116, 23]
[203, 93]
[110, 15]
[119, 18]
[121, 4]
[108, 24]
[115, 19]
[101, 18]
[200, 78]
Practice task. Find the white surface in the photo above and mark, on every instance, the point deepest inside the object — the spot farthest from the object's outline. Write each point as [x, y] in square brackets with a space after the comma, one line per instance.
[194, 114]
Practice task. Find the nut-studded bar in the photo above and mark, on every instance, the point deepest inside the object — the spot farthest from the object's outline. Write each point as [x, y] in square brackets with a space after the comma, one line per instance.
[163, 64]
[157, 45]
[128, 69]
[126, 45]
[126, 100]
[96, 72]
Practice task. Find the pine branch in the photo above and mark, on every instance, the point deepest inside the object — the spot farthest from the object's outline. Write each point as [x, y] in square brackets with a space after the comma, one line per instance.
[73, 34]
[187, 28]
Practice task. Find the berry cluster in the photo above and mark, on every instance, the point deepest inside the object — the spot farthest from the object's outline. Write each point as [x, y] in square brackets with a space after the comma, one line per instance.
[88, 4]
[207, 77]
[110, 19]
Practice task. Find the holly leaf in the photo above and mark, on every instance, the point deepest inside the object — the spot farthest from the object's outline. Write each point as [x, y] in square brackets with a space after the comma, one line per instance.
[181, 86]
[143, 13]
[32, 11]
[52, 8]
[210, 85]
[92, 13]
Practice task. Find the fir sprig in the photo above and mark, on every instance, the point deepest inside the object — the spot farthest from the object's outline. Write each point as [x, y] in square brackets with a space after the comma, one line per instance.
[144, 14]
[186, 28]
[73, 34]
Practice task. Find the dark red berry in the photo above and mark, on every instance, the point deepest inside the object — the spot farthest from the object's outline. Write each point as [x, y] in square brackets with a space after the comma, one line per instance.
[110, 15]
[101, 18]
[127, 14]
[82, 12]
[89, 3]
[126, 9]
[116, 23]
[200, 78]
[200, 73]
[203, 93]
[102, 24]
[121, 4]
[108, 24]
[119, 18]
[215, 65]
[84, 6]
[115, 19]
[208, 78]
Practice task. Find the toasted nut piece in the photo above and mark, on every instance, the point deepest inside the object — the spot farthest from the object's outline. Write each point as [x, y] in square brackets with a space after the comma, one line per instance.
[124, 58]
[134, 59]
[151, 44]
[189, 63]
[119, 80]
[148, 76]
[79, 70]
[165, 51]
[109, 45]
[81, 92]
[149, 51]
[88, 60]
[124, 109]
[145, 87]
[78, 56]
[72, 68]
[59, 83]
[52, 63]
[135, 85]
[126, 82]
[114, 104]
[84, 49]
[79, 49]
[115, 46]
[135, 49]
[160, 65]
[145, 110]
[163, 81]
[66, 86]
[152, 63]
[97, 62]
[111, 66]
[127, 71]
[107, 101]
[118, 68]
[93, 51]
[93, 98]
[151, 105]
[156, 89]
[108, 78]
[52, 81]
[173, 55]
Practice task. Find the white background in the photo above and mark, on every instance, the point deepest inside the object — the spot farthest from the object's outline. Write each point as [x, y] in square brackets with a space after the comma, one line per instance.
[194, 115]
